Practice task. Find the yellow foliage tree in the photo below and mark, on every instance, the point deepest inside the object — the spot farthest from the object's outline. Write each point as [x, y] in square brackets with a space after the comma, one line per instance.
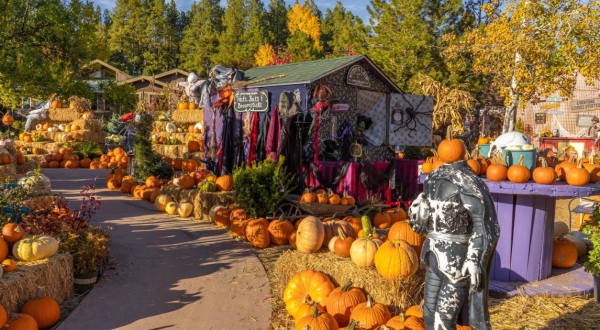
[301, 19]
[533, 48]
[264, 55]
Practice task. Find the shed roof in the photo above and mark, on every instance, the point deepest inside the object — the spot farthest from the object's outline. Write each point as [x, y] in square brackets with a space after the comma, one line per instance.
[310, 71]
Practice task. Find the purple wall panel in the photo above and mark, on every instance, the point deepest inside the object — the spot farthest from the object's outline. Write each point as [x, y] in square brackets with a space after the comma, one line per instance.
[538, 238]
[521, 237]
[546, 267]
[504, 247]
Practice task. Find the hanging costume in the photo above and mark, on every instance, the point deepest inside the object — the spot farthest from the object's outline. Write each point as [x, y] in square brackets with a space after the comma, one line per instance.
[227, 150]
[253, 138]
[261, 142]
[457, 212]
[274, 134]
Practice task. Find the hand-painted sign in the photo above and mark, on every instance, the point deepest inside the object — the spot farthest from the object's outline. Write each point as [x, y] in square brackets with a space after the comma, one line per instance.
[550, 106]
[554, 99]
[251, 101]
[540, 118]
[340, 107]
[358, 76]
[584, 121]
[585, 105]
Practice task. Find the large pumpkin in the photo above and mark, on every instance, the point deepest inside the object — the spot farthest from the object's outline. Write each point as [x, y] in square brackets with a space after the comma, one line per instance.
[363, 251]
[396, 259]
[315, 285]
[252, 226]
[260, 238]
[189, 165]
[35, 248]
[403, 231]
[44, 310]
[185, 209]
[331, 229]
[161, 202]
[578, 176]
[280, 230]
[310, 235]
[369, 315]
[318, 320]
[12, 232]
[21, 322]
[564, 253]
[3, 249]
[224, 183]
[451, 149]
[341, 302]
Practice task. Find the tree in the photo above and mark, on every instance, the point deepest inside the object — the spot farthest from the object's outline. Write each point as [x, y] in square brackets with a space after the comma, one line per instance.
[147, 161]
[264, 55]
[305, 34]
[200, 40]
[275, 22]
[43, 44]
[531, 49]
[342, 31]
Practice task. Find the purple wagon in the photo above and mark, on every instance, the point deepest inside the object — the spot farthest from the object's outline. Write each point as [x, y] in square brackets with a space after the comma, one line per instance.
[526, 217]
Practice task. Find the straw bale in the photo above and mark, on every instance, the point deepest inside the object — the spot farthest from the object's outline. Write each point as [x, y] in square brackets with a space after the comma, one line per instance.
[37, 159]
[63, 115]
[171, 151]
[183, 137]
[8, 172]
[160, 126]
[88, 135]
[206, 201]
[397, 294]
[45, 146]
[188, 116]
[54, 275]
[30, 165]
[195, 155]
[90, 125]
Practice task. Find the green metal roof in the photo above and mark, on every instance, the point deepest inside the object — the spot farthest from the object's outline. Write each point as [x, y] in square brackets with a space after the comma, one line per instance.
[298, 73]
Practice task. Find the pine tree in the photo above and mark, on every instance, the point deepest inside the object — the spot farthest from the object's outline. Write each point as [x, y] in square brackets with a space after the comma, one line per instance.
[275, 22]
[342, 31]
[115, 125]
[155, 52]
[172, 35]
[254, 33]
[201, 37]
[147, 161]
[107, 19]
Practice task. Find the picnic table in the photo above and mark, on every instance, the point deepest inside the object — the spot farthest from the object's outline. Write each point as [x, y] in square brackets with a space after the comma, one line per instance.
[526, 218]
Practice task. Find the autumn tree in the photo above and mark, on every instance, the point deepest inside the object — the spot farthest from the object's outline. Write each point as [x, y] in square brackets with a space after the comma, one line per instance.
[305, 31]
[342, 31]
[531, 49]
[201, 37]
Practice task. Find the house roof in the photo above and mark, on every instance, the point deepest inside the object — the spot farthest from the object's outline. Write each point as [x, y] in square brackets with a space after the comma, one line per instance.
[142, 78]
[171, 72]
[104, 64]
[308, 72]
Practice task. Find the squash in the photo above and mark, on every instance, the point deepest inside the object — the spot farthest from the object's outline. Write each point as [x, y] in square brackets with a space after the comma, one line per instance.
[224, 183]
[369, 315]
[207, 186]
[161, 202]
[564, 252]
[310, 235]
[396, 259]
[363, 251]
[315, 285]
[451, 149]
[560, 229]
[44, 310]
[518, 173]
[171, 208]
[341, 302]
[185, 209]
[280, 230]
[403, 231]
[35, 248]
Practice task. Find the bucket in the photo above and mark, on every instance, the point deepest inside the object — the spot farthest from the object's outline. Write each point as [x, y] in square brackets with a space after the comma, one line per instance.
[484, 150]
[9, 210]
[9, 186]
[511, 157]
[84, 282]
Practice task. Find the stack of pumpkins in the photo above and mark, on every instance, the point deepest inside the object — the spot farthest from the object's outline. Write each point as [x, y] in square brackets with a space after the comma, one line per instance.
[24, 248]
[184, 103]
[314, 302]
[63, 158]
[185, 165]
[326, 197]
[39, 313]
[164, 203]
[212, 183]
[115, 158]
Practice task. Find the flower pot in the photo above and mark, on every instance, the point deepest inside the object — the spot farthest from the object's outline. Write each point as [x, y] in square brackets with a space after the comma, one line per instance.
[597, 288]
[84, 282]
[10, 211]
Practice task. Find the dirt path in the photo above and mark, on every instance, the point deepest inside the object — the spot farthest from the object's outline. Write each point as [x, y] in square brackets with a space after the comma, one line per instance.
[166, 273]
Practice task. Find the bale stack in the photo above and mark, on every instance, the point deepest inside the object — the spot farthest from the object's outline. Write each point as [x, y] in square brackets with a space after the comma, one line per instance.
[45, 146]
[58, 116]
[203, 201]
[180, 118]
[91, 130]
[188, 116]
[29, 166]
[54, 275]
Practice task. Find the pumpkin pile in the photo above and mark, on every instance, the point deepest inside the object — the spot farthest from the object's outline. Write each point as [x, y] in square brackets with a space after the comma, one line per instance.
[314, 302]
[23, 248]
[115, 158]
[164, 203]
[326, 197]
[39, 313]
[208, 182]
[63, 158]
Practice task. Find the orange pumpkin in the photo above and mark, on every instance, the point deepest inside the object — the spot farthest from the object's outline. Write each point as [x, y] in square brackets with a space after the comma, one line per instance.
[451, 149]
[473, 163]
[317, 320]
[544, 174]
[44, 310]
[593, 168]
[427, 167]
[396, 259]
[21, 322]
[396, 214]
[564, 252]
[280, 230]
[496, 171]
[518, 173]
[369, 315]
[402, 230]
[382, 220]
[193, 146]
[564, 167]
[12, 232]
[189, 165]
[186, 182]
[343, 244]
[578, 176]
[341, 302]
[308, 283]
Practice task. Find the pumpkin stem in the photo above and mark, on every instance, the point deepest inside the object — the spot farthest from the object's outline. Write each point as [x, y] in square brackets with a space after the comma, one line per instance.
[369, 302]
[316, 310]
[449, 133]
[544, 162]
[352, 325]
[401, 317]
[334, 216]
[38, 293]
[593, 157]
[347, 286]
[281, 218]
[341, 233]
[580, 163]
[434, 152]
[521, 160]
[308, 300]
[421, 305]
[306, 327]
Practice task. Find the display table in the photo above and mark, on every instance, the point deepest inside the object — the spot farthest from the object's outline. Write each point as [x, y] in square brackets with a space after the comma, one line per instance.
[526, 218]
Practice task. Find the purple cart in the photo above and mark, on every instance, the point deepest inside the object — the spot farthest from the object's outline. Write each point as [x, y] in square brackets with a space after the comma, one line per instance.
[526, 217]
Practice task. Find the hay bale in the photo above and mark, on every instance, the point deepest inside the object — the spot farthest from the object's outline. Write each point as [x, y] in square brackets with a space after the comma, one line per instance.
[8, 172]
[30, 165]
[45, 146]
[93, 136]
[171, 151]
[195, 155]
[160, 126]
[397, 294]
[54, 275]
[206, 201]
[188, 116]
[183, 137]
[37, 159]
[89, 125]
[63, 115]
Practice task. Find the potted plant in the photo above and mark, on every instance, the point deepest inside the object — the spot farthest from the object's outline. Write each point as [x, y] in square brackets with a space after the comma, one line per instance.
[12, 200]
[592, 229]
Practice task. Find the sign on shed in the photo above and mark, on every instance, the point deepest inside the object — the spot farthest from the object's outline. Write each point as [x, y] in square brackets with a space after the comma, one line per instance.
[251, 101]
[585, 105]
[584, 121]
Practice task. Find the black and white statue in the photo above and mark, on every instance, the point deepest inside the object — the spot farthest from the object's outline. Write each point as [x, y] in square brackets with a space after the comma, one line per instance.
[457, 213]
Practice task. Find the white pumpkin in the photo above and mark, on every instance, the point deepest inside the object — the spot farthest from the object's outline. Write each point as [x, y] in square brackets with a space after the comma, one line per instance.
[185, 209]
[35, 248]
[179, 130]
[52, 129]
[154, 137]
[310, 235]
[62, 127]
[64, 137]
[39, 185]
[171, 128]
[198, 126]
[363, 251]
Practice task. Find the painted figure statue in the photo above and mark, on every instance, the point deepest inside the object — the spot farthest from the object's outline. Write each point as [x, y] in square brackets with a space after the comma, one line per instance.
[457, 213]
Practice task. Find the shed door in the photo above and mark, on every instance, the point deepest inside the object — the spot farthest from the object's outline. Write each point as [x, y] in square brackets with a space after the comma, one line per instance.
[373, 106]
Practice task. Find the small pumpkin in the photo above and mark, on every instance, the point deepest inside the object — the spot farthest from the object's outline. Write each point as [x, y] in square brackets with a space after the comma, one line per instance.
[396, 259]
[9, 265]
[44, 310]
[341, 302]
[451, 149]
[21, 322]
[343, 244]
[593, 168]
[369, 315]
[224, 183]
[473, 162]
[564, 252]
[12, 232]
[355, 222]
[185, 209]
[3, 249]
[222, 215]
[280, 230]
[578, 176]
[363, 251]
[396, 214]
[544, 174]
[518, 173]
[171, 208]
[382, 220]
[317, 321]
[331, 229]
[161, 202]
[427, 167]
[496, 171]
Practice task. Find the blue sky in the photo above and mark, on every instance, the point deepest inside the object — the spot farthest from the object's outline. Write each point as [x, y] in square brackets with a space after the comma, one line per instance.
[358, 7]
